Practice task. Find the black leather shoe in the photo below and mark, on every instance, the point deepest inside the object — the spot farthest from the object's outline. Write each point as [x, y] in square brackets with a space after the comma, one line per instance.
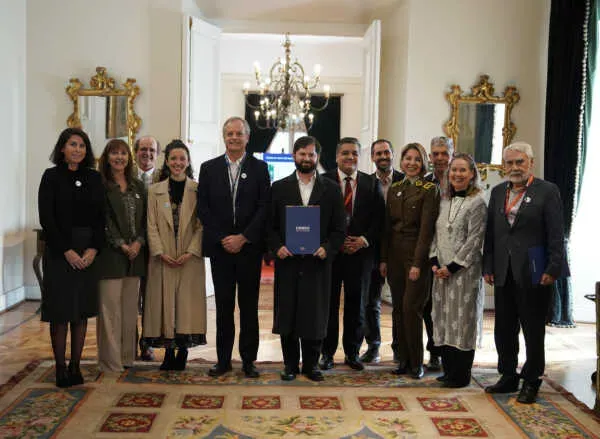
[417, 372]
[250, 370]
[529, 391]
[168, 360]
[75, 377]
[62, 377]
[400, 370]
[180, 360]
[434, 364]
[313, 375]
[289, 373]
[506, 384]
[326, 362]
[371, 356]
[442, 378]
[354, 363]
[217, 370]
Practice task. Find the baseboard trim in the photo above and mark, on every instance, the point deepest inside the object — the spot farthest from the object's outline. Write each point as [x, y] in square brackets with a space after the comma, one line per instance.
[12, 298]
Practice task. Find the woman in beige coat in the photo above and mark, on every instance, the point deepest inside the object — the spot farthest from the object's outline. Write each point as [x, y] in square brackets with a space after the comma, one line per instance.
[175, 306]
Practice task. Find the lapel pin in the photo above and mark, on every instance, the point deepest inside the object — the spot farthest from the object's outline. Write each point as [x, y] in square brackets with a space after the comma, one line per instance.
[528, 199]
[244, 175]
[137, 195]
[399, 193]
[167, 204]
[77, 183]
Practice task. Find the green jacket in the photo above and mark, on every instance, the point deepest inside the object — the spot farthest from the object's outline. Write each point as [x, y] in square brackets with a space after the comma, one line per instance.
[113, 263]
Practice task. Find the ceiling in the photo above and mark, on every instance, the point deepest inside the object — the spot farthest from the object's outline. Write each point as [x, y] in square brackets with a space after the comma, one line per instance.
[308, 11]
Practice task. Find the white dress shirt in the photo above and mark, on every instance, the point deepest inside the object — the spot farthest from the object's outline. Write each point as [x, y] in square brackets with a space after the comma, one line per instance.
[306, 188]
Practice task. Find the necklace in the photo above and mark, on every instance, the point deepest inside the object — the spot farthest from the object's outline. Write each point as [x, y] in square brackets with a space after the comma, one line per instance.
[456, 210]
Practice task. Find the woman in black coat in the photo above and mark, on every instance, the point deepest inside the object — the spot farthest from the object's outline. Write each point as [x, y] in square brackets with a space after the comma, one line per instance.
[70, 204]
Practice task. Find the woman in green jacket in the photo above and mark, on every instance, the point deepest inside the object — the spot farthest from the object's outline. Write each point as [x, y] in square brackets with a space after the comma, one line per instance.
[122, 261]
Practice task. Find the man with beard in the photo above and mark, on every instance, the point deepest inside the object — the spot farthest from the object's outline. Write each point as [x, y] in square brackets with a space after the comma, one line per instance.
[303, 282]
[146, 149]
[525, 218]
[363, 208]
[382, 154]
[440, 151]
[232, 205]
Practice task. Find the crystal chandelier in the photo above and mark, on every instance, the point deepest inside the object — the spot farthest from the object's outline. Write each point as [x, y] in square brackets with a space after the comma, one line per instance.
[285, 94]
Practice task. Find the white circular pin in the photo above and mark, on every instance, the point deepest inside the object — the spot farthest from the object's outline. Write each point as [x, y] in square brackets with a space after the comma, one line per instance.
[398, 194]
[244, 175]
[527, 199]
[77, 183]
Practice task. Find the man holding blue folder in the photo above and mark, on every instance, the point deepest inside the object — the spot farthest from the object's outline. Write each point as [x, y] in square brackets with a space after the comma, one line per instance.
[523, 256]
[302, 279]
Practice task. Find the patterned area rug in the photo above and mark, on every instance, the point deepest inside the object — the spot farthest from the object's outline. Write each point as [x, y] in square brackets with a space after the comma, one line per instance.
[144, 402]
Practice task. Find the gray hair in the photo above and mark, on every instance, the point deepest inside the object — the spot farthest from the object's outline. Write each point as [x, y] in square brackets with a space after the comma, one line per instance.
[519, 147]
[136, 145]
[235, 118]
[443, 141]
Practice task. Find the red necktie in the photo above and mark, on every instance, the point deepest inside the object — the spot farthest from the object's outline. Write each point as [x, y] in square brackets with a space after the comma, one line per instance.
[348, 197]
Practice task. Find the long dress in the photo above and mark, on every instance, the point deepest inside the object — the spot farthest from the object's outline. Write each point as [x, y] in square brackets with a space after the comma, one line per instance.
[457, 302]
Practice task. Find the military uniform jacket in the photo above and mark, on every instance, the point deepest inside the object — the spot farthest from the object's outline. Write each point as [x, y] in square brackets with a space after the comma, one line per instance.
[411, 212]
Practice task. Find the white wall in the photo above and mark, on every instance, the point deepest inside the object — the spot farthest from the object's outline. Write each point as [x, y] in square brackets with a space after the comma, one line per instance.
[140, 39]
[12, 166]
[453, 42]
[340, 59]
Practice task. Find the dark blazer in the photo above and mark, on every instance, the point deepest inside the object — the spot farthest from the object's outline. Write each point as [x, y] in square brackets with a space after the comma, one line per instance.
[396, 176]
[113, 263]
[539, 222]
[61, 191]
[309, 276]
[215, 207]
[367, 214]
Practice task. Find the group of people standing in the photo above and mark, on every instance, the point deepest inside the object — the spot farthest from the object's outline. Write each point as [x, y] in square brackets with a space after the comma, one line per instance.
[109, 231]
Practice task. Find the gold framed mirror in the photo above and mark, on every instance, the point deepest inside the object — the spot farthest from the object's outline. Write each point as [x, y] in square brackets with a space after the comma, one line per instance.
[104, 111]
[480, 122]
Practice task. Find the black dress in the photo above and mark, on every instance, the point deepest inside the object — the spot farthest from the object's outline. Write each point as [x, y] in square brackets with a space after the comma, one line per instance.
[70, 205]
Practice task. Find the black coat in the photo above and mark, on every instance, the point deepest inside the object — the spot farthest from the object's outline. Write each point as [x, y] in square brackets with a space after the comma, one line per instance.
[215, 206]
[539, 222]
[304, 277]
[368, 211]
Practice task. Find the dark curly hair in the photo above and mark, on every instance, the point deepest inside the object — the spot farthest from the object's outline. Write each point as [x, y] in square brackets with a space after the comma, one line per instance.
[176, 144]
[58, 156]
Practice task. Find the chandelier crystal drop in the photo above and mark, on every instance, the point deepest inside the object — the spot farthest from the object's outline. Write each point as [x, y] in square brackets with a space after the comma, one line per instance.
[285, 94]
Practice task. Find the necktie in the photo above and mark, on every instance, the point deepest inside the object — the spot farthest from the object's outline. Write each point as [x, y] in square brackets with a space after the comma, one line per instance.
[348, 200]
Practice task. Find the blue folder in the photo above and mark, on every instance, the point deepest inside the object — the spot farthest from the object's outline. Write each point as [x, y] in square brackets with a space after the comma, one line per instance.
[537, 264]
[302, 229]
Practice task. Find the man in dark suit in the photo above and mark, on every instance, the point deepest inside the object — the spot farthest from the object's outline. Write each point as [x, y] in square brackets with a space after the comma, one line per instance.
[232, 196]
[303, 282]
[524, 214]
[363, 208]
[440, 150]
[382, 155]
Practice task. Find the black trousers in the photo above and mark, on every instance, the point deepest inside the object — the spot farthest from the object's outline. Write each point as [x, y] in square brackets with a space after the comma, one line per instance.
[372, 328]
[434, 351]
[229, 271]
[354, 272]
[518, 307]
[457, 364]
[290, 346]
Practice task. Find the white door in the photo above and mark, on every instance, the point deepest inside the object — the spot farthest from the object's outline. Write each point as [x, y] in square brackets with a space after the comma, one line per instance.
[201, 80]
[370, 98]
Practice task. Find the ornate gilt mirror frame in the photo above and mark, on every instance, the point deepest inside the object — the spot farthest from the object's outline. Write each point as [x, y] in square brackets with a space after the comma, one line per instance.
[103, 85]
[482, 92]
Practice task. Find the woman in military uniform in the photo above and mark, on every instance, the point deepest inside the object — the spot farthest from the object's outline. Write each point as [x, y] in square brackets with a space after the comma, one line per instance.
[411, 211]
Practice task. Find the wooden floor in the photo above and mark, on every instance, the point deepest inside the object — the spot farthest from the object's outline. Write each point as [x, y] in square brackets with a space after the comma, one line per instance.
[570, 353]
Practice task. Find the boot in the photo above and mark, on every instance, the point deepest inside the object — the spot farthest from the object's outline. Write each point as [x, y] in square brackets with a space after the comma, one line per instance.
[75, 376]
[180, 359]
[62, 376]
[169, 360]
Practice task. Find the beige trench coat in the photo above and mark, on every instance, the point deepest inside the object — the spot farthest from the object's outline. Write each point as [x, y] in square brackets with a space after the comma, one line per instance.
[175, 297]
